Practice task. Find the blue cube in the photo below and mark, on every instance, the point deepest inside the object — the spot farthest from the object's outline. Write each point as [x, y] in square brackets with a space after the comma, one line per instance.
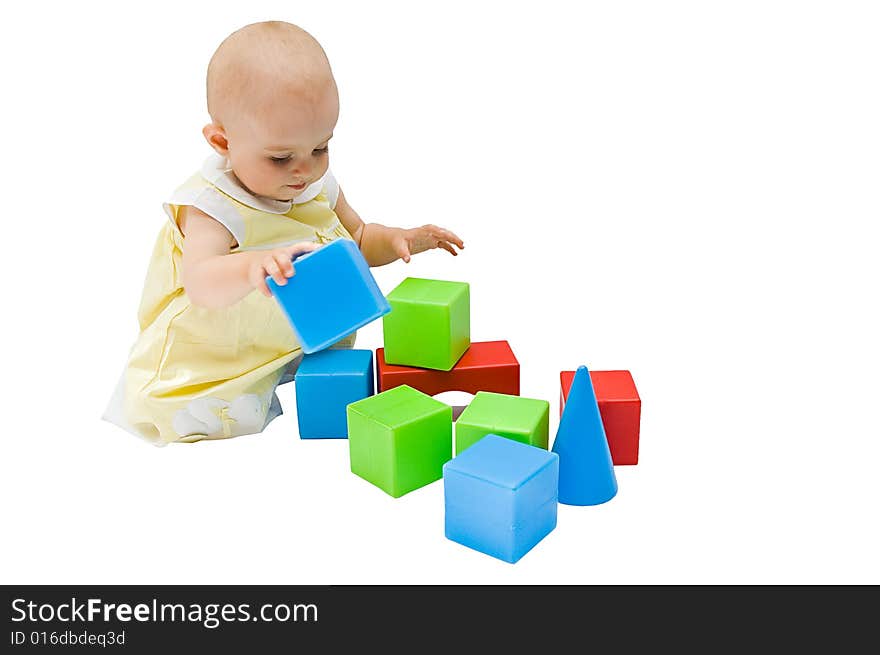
[501, 496]
[326, 382]
[330, 296]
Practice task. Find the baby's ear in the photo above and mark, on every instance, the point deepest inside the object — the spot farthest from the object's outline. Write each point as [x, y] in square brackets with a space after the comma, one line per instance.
[215, 135]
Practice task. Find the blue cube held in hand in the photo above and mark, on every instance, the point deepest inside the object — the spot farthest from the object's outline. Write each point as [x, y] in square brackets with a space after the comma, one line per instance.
[326, 383]
[501, 496]
[330, 296]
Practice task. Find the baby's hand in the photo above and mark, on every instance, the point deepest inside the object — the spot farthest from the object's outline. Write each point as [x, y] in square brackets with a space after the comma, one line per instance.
[277, 263]
[419, 239]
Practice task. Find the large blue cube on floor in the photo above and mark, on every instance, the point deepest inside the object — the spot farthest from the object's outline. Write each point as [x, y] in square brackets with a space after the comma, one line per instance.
[330, 296]
[501, 496]
[326, 382]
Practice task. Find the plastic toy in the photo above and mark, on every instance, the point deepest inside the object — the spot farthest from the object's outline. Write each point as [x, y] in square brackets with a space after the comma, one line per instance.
[586, 473]
[620, 407]
[429, 325]
[326, 382]
[485, 366]
[332, 294]
[399, 439]
[526, 420]
[501, 497]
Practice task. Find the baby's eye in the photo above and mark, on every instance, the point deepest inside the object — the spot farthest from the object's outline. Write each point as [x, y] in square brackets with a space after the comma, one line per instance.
[280, 160]
[317, 152]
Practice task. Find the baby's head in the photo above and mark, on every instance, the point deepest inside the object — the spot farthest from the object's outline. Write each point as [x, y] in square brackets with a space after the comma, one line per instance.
[273, 104]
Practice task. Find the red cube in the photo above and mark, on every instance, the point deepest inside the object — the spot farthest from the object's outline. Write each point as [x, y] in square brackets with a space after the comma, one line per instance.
[620, 407]
[485, 366]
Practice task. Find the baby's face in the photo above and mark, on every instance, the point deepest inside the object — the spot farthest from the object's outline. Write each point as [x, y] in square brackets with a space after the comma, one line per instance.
[277, 149]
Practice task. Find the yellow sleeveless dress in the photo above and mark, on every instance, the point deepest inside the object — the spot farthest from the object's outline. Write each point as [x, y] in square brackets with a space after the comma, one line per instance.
[195, 373]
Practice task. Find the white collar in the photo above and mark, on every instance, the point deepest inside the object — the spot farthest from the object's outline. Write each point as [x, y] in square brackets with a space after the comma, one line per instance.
[216, 170]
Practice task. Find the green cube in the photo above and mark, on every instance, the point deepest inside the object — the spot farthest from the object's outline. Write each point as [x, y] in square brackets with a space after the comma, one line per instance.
[526, 420]
[429, 325]
[399, 439]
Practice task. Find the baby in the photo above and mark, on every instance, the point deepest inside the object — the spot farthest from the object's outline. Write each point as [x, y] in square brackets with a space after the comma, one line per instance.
[213, 344]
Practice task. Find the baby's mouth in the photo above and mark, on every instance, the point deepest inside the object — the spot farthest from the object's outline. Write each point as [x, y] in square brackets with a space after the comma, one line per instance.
[297, 187]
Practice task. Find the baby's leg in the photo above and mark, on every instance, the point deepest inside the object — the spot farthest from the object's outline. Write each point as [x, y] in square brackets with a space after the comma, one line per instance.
[163, 413]
[290, 370]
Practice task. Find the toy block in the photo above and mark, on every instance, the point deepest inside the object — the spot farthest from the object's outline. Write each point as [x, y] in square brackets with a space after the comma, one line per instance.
[485, 366]
[326, 383]
[330, 296]
[399, 439]
[586, 472]
[526, 420]
[429, 325]
[620, 407]
[501, 497]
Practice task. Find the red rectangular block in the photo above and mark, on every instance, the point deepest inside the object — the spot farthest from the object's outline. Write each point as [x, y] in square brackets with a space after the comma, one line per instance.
[620, 407]
[485, 366]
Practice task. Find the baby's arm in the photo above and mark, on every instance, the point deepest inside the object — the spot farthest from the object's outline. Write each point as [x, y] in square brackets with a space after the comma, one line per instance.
[382, 245]
[213, 277]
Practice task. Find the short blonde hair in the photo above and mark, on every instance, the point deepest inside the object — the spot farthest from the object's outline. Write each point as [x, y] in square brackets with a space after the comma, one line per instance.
[263, 56]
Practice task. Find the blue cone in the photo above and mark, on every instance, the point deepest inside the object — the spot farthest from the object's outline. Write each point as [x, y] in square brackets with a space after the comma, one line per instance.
[586, 472]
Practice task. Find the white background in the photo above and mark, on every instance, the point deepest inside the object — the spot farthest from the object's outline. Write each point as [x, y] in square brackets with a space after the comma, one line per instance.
[687, 190]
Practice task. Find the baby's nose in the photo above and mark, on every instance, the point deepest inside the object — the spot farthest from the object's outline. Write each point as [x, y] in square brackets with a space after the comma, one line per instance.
[302, 167]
